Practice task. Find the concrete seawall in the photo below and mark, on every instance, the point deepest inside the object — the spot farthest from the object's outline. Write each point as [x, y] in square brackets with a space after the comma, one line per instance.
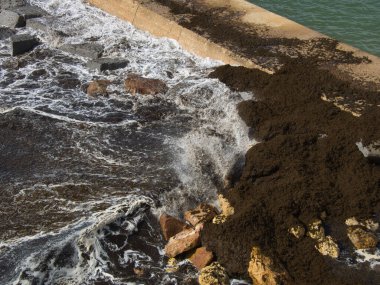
[157, 19]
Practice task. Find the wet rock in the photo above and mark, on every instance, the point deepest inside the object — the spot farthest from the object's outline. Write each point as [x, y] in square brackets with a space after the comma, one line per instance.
[361, 238]
[214, 274]
[327, 246]
[138, 84]
[182, 242]
[29, 12]
[225, 206]
[171, 226]
[262, 269]
[172, 265]
[90, 50]
[138, 271]
[6, 33]
[219, 219]
[369, 224]
[103, 64]
[316, 230]
[298, 231]
[45, 24]
[98, 88]
[35, 74]
[201, 258]
[11, 19]
[6, 4]
[201, 214]
[23, 43]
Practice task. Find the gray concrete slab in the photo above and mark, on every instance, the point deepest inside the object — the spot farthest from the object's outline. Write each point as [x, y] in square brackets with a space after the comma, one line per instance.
[11, 19]
[103, 64]
[23, 43]
[90, 50]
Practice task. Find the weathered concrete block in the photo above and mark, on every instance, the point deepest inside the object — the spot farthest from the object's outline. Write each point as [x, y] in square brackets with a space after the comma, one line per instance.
[45, 24]
[6, 4]
[6, 33]
[29, 12]
[103, 64]
[23, 43]
[11, 19]
[90, 50]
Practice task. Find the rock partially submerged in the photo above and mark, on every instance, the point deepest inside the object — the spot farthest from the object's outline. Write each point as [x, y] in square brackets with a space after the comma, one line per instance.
[6, 4]
[171, 226]
[98, 88]
[214, 274]
[183, 241]
[138, 84]
[23, 43]
[11, 19]
[362, 238]
[201, 214]
[45, 25]
[103, 64]
[263, 271]
[90, 50]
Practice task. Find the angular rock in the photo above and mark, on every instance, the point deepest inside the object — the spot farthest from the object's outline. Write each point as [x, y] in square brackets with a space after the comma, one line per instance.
[103, 64]
[369, 224]
[90, 50]
[298, 231]
[172, 265]
[98, 88]
[327, 246]
[29, 12]
[201, 257]
[182, 242]
[11, 19]
[138, 84]
[262, 269]
[6, 33]
[225, 206]
[45, 24]
[214, 274]
[316, 230]
[171, 226]
[219, 219]
[361, 238]
[201, 214]
[6, 4]
[23, 43]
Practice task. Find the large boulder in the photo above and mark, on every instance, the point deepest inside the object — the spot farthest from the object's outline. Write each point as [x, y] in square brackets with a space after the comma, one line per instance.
[263, 271]
[138, 84]
[171, 226]
[183, 241]
[98, 88]
[201, 257]
[327, 246]
[11, 19]
[201, 214]
[214, 274]
[361, 238]
[90, 50]
[103, 64]
[29, 12]
[23, 43]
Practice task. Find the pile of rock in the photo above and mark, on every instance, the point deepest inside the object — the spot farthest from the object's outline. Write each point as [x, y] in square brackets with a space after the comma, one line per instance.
[184, 240]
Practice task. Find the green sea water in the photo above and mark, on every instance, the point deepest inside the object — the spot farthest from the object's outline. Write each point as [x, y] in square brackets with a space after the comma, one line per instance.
[354, 22]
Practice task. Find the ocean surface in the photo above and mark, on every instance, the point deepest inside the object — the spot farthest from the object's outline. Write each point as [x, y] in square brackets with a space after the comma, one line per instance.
[355, 22]
[83, 180]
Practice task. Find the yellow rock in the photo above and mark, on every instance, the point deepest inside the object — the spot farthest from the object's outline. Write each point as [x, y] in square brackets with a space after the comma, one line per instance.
[327, 246]
[214, 274]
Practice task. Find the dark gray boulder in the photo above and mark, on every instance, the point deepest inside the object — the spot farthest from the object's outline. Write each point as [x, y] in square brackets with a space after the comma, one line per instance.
[90, 50]
[6, 4]
[103, 64]
[11, 19]
[29, 12]
[23, 43]
[45, 25]
[6, 33]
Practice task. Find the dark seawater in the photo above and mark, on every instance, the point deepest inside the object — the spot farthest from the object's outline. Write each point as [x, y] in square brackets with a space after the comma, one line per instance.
[83, 180]
[353, 22]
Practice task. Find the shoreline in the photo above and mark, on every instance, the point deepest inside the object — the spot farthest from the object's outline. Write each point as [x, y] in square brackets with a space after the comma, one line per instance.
[322, 100]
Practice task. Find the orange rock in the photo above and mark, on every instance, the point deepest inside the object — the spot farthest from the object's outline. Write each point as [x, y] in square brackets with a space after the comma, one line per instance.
[201, 214]
[138, 84]
[201, 257]
[171, 226]
[183, 241]
[98, 88]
